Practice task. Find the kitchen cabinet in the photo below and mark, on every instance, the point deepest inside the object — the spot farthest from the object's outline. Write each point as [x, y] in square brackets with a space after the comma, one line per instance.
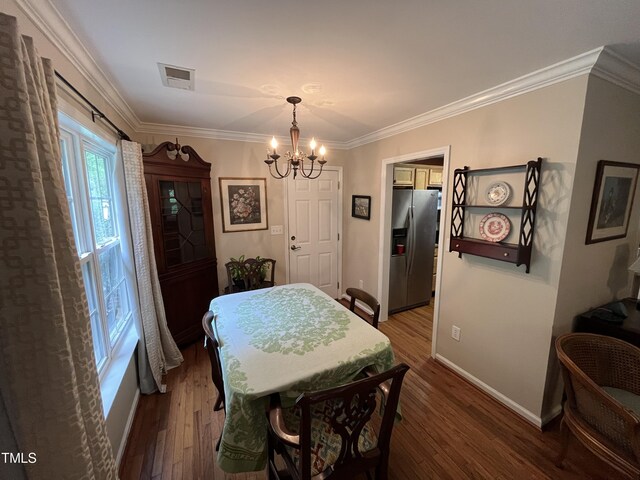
[435, 177]
[421, 178]
[403, 176]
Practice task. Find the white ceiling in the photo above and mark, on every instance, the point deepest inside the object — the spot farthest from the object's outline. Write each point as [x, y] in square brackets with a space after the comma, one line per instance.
[375, 63]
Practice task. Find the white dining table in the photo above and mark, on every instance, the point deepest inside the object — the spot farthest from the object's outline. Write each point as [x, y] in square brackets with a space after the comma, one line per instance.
[287, 339]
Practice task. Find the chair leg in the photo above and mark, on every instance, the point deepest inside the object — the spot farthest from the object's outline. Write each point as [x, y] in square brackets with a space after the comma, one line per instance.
[218, 442]
[271, 463]
[382, 470]
[219, 404]
[564, 443]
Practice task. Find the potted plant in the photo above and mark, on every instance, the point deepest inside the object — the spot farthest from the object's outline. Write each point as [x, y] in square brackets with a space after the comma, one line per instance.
[238, 271]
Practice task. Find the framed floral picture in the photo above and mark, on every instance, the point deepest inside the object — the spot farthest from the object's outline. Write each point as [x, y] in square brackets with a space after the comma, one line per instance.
[612, 200]
[244, 204]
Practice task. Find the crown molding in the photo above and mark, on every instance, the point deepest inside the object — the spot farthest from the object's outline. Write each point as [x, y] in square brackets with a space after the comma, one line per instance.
[46, 17]
[556, 73]
[601, 62]
[617, 70]
[211, 133]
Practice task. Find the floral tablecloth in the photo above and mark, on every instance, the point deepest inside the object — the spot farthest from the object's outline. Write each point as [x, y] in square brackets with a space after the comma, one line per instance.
[287, 339]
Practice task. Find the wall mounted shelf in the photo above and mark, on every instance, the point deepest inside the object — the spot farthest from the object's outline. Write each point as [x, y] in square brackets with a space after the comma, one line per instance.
[518, 253]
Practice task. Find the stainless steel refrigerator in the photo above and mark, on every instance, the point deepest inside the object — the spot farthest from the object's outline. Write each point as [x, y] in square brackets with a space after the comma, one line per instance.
[413, 238]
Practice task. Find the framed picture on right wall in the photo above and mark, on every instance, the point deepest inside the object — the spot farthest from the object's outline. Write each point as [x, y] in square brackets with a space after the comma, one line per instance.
[612, 200]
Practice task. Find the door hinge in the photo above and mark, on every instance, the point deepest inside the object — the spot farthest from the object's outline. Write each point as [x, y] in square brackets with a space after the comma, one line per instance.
[338, 237]
[338, 285]
[338, 184]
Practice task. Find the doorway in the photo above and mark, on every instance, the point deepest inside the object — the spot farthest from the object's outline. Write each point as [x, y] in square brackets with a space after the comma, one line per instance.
[385, 240]
[314, 230]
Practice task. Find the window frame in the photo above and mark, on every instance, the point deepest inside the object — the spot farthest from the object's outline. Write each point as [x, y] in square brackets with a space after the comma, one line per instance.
[76, 139]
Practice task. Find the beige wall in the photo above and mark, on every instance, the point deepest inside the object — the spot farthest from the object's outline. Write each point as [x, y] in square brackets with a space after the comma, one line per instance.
[505, 315]
[243, 159]
[596, 274]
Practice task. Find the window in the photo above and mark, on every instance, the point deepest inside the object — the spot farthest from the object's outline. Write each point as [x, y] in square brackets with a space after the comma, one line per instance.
[89, 164]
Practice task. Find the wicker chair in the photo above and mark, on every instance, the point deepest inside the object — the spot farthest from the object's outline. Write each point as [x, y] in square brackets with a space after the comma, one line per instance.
[602, 384]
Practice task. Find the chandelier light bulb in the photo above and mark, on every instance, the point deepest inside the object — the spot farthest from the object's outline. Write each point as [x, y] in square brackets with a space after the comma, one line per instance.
[274, 143]
[312, 144]
[323, 150]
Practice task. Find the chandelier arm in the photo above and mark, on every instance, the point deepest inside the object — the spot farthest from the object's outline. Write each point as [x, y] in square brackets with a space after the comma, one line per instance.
[274, 176]
[286, 173]
[305, 174]
[317, 174]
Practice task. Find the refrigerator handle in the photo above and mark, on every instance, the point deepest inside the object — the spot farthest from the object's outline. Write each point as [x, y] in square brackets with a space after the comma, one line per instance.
[412, 236]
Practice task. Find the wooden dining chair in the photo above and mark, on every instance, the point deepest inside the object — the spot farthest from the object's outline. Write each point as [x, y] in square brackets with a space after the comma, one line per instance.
[332, 434]
[255, 273]
[213, 349]
[260, 272]
[368, 299]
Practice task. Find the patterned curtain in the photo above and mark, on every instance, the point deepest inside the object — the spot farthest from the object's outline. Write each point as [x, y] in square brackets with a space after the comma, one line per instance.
[157, 353]
[50, 403]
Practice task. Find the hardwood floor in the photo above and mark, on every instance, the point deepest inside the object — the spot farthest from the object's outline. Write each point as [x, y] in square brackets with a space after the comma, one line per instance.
[450, 429]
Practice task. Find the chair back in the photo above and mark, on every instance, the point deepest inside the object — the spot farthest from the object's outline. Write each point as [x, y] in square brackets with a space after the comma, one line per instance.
[260, 272]
[352, 407]
[368, 299]
[589, 363]
[213, 348]
[254, 273]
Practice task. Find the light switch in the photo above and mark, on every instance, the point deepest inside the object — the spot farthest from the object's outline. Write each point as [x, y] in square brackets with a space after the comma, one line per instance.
[277, 230]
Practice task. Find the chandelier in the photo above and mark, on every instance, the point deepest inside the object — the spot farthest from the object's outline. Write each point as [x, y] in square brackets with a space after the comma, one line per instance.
[295, 159]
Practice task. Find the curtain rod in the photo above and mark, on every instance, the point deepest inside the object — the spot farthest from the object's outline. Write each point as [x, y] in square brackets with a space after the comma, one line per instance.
[95, 112]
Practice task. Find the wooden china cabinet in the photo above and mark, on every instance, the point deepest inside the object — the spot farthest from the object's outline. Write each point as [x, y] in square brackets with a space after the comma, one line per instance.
[179, 194]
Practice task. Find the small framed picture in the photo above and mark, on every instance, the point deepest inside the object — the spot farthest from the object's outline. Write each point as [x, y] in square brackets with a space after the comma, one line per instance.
[361, 206]
[612, 200]
[244, 204]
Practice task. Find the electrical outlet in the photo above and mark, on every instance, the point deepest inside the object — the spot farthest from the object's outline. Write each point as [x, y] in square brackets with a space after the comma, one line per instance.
[361, 284]
[277, 230]
[455, 333]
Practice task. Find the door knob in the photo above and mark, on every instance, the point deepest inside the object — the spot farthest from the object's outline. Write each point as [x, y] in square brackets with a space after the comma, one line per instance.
[294, 248]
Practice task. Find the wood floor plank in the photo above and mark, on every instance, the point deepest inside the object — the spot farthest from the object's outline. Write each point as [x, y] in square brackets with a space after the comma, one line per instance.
[450, 428]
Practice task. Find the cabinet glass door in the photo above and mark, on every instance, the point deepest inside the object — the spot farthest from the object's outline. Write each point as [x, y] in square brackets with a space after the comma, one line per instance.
[183, 232]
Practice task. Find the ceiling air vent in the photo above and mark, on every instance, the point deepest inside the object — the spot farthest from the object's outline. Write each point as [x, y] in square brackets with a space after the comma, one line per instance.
[177, 77]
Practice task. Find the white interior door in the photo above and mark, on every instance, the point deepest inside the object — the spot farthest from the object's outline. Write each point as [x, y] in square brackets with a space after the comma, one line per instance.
[314, 231]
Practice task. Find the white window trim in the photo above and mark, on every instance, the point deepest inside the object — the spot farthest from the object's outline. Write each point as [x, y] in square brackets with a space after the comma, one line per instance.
[113, 369]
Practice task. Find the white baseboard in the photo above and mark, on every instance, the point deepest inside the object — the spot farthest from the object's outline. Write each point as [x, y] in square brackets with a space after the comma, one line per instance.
[506, 401]
[359, 304]
[127, 428]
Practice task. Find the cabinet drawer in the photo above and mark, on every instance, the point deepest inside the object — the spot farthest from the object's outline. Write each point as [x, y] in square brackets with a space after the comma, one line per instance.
[498, 251]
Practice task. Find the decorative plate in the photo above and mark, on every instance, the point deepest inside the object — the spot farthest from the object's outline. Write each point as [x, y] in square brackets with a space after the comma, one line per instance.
[494, 227]
[498, 193]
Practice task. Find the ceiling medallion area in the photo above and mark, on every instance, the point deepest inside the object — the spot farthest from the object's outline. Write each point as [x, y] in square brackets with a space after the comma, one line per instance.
[295, 159]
